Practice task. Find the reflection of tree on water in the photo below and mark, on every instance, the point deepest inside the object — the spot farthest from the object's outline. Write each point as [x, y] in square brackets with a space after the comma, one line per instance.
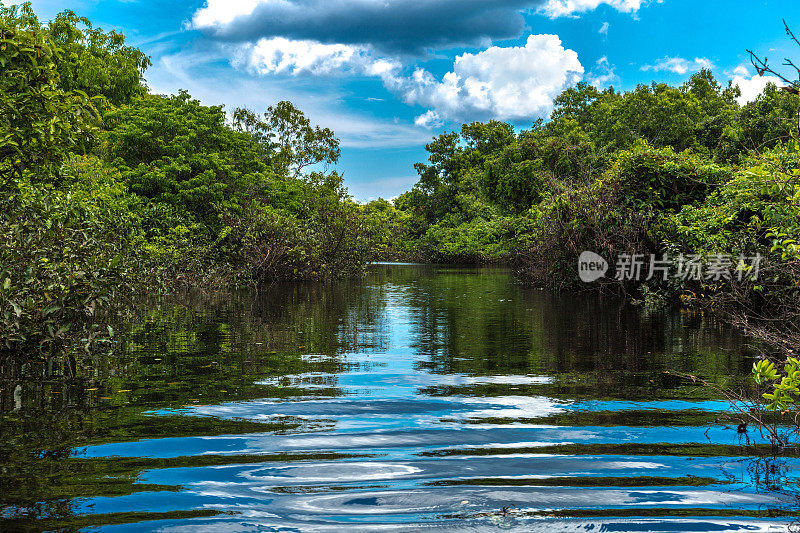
[477, 321]
[190, 350]
[773, 475]
[206, 350]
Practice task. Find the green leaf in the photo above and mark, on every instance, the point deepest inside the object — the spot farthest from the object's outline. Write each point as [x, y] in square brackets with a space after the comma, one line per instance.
[50, 309]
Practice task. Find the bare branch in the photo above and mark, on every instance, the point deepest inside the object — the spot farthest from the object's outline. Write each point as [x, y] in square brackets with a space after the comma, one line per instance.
[789, 32]
[762, 65]
[790, 63]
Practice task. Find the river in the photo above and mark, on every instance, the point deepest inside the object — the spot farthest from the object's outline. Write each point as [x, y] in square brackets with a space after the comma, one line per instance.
[420, 398]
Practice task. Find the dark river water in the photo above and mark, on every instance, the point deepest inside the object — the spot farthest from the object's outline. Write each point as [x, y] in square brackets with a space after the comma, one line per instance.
[420, 398]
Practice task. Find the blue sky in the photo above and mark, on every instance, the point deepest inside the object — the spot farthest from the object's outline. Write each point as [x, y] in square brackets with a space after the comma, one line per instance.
[388, 75]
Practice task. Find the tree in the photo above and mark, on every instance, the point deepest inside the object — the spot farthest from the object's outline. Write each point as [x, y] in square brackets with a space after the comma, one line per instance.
[290, 142]
[692, 116]
[761, 124]
[174, 150]
[40, 121]
[97, 62]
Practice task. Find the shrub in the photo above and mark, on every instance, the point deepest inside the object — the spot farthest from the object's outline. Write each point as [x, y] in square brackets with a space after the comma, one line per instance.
[329, 238]
[68, 258]
[477, 241]
[659, 179]
[586, 218]
[392, 229]
[763, 198]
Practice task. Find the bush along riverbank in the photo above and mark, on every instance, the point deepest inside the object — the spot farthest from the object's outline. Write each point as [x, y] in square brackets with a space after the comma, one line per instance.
[107, 191]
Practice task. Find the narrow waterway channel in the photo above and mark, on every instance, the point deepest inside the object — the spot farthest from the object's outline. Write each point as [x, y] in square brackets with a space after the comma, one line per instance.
[421, 398]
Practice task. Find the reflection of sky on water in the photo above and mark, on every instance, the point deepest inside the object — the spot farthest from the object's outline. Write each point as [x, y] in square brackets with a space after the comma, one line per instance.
[457, 392]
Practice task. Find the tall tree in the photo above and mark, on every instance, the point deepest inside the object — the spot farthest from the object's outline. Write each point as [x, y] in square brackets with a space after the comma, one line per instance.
[40, 121]
[291, 142]
[97, 62]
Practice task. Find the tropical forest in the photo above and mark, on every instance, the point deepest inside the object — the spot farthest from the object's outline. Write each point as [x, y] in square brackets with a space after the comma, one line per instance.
[203, 329]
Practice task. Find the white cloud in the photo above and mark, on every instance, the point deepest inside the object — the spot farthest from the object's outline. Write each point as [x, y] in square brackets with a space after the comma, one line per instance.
[703, 63]
[741, 70]
[513, 83]
[217, 12]
[679, 65]
[751, 85]
[284, 56]
[602, 74]
[429, 119]
[565, 8]
[604, 29]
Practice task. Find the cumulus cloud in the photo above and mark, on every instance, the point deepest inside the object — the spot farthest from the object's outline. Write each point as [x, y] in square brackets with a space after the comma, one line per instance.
[565, 8]
[751, 85]
[679, 65]
[429, 119]
[515, 83]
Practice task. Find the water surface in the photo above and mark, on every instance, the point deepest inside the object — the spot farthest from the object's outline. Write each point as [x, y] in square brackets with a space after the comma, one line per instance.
[422, 398]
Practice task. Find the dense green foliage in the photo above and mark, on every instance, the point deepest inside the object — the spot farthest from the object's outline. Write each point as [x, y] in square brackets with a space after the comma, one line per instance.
[67, 256]
[106, 190]
[95, 62]
[40, 121]
[658, 170]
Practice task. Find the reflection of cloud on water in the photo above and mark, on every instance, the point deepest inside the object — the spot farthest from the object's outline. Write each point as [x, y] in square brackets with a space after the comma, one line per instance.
[341, 472]
[368, 380]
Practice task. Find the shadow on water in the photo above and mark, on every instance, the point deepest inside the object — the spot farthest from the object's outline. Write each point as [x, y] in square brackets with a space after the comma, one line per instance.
[419, 398]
